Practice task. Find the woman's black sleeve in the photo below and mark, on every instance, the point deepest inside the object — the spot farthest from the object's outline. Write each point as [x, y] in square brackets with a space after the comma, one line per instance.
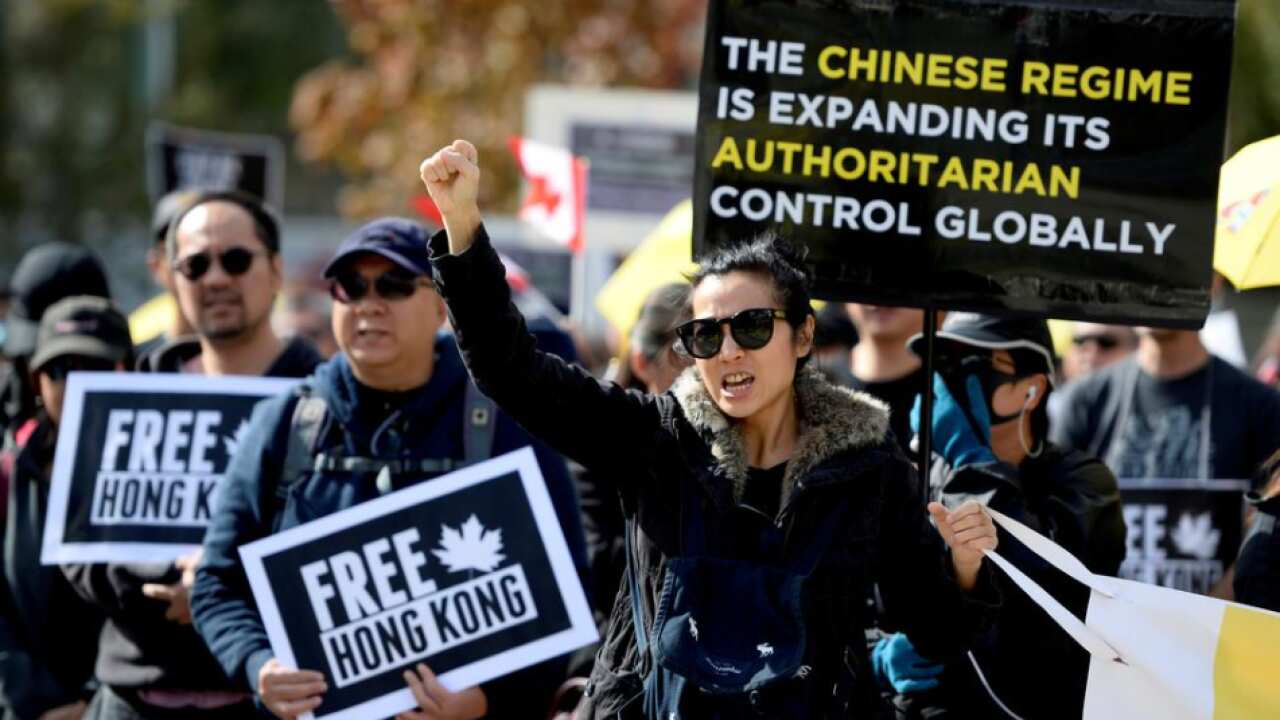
[598, 424]
[917, 580]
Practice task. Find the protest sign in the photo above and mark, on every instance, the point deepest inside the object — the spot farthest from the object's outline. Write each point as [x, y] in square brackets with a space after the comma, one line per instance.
[468, 572]
[183, 158]
[139, 461]
[1181, 533]
[1018, 155]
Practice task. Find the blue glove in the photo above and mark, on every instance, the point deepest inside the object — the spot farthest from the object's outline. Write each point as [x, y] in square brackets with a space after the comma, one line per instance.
[896, 663]
[961, 438]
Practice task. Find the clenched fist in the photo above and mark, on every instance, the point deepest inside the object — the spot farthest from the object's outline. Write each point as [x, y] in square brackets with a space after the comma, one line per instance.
[452, 177]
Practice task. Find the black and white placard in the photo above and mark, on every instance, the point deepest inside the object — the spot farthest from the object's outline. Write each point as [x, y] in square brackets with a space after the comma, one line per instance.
[468, 573]
[139, 460]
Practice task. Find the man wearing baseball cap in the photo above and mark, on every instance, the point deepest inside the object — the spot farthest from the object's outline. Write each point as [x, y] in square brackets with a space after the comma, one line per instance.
[990, 429]
[397, 395]
[48, 634]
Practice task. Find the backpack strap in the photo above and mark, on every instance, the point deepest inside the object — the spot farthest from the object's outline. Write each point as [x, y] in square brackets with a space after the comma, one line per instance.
[479, 425]
[312, 421]
[633, 587]
[309, 423]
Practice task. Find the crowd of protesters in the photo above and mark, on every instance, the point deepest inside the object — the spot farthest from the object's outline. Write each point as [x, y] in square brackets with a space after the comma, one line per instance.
[747, 469]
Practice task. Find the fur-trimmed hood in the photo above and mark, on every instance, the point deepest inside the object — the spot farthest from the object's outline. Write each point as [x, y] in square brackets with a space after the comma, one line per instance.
[832, 420]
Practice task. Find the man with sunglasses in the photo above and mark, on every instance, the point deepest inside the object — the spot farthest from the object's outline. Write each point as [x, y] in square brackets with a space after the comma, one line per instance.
[48, 634]
[224, 250]
[397, 395]
[990, 430]
[1094, 347]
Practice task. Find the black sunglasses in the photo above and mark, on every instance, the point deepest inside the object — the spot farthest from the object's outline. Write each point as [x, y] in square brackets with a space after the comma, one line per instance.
[350, 286]
[58, 368]
[1105, 342]
[752, 329]
[234, 261]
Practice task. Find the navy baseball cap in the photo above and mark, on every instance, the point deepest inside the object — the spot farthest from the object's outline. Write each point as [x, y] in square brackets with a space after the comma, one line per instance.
[402, 241]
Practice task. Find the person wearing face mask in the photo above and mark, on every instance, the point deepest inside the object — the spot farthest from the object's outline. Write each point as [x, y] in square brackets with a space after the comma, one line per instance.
[990, 430]
[760, 500]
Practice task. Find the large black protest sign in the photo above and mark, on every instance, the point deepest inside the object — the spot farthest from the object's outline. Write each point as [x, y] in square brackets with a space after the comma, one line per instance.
[184, 158]
[139, 461]
[1025, 155]
[468, 572]
[1182, 533]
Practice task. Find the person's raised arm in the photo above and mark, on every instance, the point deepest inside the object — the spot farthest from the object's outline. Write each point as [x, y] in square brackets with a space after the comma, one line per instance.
[599, 424]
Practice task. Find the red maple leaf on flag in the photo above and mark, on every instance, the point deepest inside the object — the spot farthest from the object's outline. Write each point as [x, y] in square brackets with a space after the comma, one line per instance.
[541, 193]
[556, 202]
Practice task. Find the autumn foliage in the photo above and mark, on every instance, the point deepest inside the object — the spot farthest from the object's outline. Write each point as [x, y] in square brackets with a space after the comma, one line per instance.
[421, 73]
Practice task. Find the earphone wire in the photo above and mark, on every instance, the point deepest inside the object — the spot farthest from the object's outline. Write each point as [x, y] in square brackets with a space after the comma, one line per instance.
[1031, 395]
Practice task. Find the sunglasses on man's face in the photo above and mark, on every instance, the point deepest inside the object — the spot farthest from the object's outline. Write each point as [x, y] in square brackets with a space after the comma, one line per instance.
[234, 261]
[57, 369]
[751, 329]
[349, 287]
[1105, 342]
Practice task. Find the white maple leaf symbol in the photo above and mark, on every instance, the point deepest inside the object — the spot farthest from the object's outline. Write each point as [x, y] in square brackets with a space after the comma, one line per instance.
[232, 442]
[470, 547]
[1196, 537]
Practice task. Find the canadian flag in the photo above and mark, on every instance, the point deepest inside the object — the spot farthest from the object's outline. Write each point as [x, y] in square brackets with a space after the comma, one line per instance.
[557, 190]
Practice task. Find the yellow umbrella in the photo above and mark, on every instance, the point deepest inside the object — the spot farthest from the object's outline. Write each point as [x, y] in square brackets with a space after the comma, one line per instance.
[1247, 242]
[665, 256]
[152, 318]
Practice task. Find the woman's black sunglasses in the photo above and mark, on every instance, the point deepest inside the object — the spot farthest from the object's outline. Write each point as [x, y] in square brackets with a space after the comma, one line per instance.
[752, 329]
[234, 261]
[348, 287]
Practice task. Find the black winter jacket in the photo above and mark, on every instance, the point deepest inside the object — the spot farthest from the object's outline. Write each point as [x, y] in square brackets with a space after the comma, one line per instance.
[652, 445]
[1028, 662]
[48, 635]
[1257, 576]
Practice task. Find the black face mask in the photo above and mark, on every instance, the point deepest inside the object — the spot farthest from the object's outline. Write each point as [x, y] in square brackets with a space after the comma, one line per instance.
[955, 372]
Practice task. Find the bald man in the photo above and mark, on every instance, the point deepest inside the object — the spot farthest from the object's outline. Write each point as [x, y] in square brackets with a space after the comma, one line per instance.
[224, 248]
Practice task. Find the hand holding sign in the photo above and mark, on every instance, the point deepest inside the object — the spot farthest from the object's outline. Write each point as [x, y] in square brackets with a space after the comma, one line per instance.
[288, 693]
[452, 177]
[970, 533]
[437, 703]
[178, 595]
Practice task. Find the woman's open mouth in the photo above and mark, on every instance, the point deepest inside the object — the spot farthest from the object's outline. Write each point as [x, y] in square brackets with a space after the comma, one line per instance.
[737, 384]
